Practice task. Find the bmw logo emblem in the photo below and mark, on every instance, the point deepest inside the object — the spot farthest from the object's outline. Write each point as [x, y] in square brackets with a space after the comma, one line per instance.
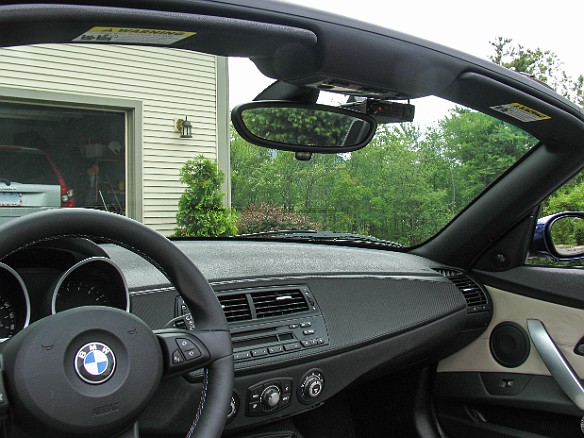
[95, 363]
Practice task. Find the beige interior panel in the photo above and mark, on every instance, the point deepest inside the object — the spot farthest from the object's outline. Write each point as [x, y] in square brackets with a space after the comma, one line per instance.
[564, 324]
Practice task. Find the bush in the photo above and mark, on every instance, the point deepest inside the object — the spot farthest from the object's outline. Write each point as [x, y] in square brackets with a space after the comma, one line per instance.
[257, 219]
[579, 233]
[201, 212]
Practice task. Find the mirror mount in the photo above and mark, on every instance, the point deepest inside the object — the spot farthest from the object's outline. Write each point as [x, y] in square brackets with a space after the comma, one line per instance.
[303, 156]
[384, 111]
[281, 90]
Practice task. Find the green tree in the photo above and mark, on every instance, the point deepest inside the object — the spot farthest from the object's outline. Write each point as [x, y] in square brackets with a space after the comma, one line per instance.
[546, 67]
[298, 125]
[543, 65]
[201, 212]
[409, 181]
[478, 149]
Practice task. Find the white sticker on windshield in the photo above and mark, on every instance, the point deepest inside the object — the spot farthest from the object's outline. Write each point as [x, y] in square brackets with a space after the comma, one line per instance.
[521, 112]
[128, 35]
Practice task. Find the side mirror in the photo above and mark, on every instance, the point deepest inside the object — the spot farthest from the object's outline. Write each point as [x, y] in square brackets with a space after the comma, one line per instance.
[302, 127]
[560, 236]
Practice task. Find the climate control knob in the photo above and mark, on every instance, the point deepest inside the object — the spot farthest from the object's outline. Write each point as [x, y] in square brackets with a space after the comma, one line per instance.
[271, 396]
[314, 387]
[311, 387]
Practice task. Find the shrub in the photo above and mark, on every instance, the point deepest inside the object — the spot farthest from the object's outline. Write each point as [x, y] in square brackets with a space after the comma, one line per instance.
[579, 233]
[257, 219]
[201, 212]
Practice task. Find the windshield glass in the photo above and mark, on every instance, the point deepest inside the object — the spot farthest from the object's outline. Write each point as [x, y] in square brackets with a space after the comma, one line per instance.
[145, 132]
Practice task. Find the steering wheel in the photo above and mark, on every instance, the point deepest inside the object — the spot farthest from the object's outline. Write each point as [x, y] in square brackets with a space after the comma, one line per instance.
[91, 371]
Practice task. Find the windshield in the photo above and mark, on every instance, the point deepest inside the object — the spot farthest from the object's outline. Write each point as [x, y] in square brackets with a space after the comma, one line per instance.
[145, 132]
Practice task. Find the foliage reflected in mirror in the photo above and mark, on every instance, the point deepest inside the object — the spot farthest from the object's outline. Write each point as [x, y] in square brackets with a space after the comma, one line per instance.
[303, 127]
[567, 236]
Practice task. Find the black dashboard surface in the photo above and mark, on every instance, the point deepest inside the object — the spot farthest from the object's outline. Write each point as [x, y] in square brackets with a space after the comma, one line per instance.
[381, 310]
[225, 260]
[363, 311]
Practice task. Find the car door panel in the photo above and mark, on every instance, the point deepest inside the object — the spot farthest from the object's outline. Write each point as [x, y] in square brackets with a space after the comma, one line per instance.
[565, 325]
[475, 394]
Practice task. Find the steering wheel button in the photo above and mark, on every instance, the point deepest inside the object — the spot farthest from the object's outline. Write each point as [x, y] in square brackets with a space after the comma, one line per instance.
[177, 357]
[192, 354]
[185, 344]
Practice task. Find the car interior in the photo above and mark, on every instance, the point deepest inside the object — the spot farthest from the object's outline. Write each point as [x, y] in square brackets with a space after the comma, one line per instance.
[111, 329]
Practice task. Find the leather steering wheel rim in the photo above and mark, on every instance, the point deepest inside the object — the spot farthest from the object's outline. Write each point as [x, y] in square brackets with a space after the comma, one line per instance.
[176, 266]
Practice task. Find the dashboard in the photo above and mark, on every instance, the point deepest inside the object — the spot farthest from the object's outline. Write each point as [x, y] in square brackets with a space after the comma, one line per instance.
[306, 320]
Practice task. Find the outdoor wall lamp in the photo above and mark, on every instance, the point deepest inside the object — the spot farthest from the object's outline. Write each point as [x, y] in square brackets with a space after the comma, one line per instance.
[184, 127]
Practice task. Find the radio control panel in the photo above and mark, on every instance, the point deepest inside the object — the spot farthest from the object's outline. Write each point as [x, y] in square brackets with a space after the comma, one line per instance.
[278, 338]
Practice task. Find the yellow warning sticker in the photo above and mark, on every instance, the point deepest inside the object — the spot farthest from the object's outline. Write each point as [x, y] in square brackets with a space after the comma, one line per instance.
[129, 35]
[521, 112]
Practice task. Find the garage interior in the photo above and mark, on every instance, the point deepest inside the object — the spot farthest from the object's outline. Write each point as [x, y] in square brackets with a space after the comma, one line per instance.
[88, 146]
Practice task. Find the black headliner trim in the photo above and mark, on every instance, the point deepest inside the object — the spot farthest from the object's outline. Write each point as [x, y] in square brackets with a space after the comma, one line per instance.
[217, 35]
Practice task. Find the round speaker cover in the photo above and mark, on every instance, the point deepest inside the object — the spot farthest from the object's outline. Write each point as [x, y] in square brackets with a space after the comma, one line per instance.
[509, 344]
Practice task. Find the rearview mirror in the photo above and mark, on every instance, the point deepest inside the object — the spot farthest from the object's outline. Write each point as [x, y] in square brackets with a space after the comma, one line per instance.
[301, 127]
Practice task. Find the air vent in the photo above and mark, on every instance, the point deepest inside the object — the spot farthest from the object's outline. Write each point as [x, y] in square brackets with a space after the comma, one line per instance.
[278, 302]
[235, 307]
[476, 299]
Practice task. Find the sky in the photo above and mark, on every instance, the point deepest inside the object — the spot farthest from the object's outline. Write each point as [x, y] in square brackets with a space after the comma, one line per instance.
[464, 25]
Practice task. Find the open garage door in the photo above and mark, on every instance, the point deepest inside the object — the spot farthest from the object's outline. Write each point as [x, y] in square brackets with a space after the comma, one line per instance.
[79, 156]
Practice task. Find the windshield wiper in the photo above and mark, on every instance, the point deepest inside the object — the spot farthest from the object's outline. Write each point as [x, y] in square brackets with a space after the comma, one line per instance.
[5, 181]
[321, 236]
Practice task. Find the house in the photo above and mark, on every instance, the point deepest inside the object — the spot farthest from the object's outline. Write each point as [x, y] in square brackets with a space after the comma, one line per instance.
[124, 123]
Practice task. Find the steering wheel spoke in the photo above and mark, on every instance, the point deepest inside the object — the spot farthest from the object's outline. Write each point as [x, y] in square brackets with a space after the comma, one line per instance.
[186, 350]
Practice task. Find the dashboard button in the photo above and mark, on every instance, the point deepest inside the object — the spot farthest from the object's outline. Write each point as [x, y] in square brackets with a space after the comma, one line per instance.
[274, 350]
[242, 355]
[254, 408]
[306, 324]
[294, 326]
[259, 352]
[308, 332]
[286, 386]
[294, 346]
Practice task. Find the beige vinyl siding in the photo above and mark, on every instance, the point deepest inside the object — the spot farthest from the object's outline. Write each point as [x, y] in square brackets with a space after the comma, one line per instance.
[169, 83]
